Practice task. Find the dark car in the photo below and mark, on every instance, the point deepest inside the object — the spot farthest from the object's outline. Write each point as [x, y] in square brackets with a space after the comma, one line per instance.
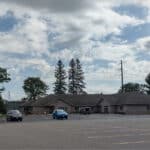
[85, 110]
[60, 114]
[14, 115]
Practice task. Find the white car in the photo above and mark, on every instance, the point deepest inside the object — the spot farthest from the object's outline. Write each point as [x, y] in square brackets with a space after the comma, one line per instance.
[14, 115]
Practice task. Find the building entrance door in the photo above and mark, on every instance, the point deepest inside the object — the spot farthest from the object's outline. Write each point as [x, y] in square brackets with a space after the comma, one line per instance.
[106, 110]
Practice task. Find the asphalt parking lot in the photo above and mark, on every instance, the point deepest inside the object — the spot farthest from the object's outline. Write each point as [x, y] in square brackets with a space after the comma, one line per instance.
[113, 132]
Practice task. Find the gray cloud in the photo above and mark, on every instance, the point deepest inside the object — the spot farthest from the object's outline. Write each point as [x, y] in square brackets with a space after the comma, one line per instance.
[147, 45]
[60, 6]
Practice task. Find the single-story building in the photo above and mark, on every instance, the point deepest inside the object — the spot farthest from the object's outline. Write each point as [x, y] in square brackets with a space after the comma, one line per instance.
[133, 103]
[13, 105]
[70, 103]
[125, 103]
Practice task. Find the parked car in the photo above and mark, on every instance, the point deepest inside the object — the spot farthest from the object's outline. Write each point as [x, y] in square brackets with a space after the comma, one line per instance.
[60, 114]
[85, 110]
[14, 115]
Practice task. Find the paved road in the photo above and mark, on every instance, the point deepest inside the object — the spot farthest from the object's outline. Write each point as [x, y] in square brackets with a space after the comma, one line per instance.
[87, 132]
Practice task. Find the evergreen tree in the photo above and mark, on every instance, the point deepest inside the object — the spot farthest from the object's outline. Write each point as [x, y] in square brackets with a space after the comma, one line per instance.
[60, 75]
[148, 84]
[80, 84]
[72, 77]
[76, 78]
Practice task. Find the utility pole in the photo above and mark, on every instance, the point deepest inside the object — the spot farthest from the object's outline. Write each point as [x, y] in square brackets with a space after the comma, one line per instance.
[9, 96]
[122, 77]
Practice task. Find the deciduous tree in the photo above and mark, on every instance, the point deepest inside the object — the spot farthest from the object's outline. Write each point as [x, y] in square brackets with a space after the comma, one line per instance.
[4, 77]
[133, 87]
[34, 87]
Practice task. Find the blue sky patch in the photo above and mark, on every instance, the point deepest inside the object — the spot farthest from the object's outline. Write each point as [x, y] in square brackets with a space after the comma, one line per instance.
[132, 33]
[132, 10]
[102, 63]
[7, 22]
[31, 72]
[17, 55]
[142, 56]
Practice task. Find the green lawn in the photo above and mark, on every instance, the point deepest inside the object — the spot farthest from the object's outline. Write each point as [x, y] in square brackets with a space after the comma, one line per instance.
[2, 115]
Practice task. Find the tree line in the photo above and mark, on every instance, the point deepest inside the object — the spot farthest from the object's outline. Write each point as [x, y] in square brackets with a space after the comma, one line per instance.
[34, 87]
[76, 84]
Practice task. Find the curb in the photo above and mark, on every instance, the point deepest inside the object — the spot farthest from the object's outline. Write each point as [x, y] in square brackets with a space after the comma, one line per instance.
[2, 120]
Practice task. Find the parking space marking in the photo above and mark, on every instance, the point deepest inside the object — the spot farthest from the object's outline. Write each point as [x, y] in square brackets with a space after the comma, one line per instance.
[118, 127]
[137, 129]
[144, 134]
[133, 131]
[125, 143]
[116, 136]
[110, 136]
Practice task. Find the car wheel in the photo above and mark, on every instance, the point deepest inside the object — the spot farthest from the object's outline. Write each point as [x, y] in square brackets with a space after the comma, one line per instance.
[20, 119]
[66, 117]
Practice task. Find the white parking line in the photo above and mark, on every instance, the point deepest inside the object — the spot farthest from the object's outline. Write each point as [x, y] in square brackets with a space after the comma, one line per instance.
[144, 134]
[109, 136]
[124, 130]
[118, 127]
[136, 142]
[141, 129]
[115, 136]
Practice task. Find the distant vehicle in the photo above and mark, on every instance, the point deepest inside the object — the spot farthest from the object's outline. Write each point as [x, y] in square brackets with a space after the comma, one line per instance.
[85, 110]
[60, 114]
[14, 115]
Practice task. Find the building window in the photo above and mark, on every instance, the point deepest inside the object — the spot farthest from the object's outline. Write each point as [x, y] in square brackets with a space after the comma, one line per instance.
[121, 107]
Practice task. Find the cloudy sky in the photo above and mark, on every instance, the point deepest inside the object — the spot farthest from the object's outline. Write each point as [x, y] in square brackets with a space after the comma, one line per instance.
[34, 34]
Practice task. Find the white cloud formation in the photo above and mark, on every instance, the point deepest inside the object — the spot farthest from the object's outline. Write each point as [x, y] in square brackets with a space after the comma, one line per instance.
[143, 44]
[49, 30]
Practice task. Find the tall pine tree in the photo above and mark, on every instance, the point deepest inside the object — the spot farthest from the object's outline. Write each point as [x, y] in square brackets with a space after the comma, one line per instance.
[60, 75]
[72, 77]
[80, 84]
[76, 78]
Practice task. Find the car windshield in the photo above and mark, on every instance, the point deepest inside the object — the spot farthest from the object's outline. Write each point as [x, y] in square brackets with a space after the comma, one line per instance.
[60, 111]
[14, 112]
